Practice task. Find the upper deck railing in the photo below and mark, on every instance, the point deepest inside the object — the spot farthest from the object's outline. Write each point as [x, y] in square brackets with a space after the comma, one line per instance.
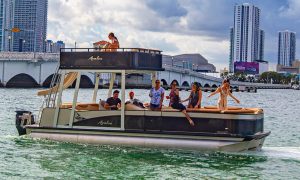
[142, 50]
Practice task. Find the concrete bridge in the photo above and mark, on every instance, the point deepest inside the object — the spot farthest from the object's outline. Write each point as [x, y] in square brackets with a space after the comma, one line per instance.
[27, 69]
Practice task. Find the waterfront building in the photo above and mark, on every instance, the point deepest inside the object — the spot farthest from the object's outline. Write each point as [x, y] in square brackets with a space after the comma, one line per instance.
[57, 46]
[286, 48]
[52, 47]
[261, 45]
[193, 62]
[49, 46]
[231, 51]
[246, 37]
[30, 16]
[6, 15]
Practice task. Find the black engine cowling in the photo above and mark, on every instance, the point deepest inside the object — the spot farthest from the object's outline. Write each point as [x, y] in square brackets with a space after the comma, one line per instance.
[23, 118]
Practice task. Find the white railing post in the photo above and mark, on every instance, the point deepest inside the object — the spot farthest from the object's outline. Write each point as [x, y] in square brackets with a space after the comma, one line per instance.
[74, 99]
[58, 103]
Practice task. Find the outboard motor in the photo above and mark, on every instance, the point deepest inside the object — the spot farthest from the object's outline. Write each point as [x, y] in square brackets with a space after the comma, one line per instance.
[23, 118]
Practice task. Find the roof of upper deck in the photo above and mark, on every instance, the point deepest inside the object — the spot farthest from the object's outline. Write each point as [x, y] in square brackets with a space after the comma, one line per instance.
[111, 59]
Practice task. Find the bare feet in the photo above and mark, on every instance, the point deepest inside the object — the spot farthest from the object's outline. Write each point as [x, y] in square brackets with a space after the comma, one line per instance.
[191, 122]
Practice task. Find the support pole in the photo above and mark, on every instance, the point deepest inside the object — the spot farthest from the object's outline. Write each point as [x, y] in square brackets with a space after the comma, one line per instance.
[111, 84]
[96, 87]
[58, 102]
[153, 74]
[123, 100]
[74, 99]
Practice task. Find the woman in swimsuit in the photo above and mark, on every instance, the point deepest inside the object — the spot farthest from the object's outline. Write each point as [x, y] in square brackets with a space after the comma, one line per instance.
[172, 93]
[224, 91]
[108, 46]
[195, 97]
[114, 41]
[175, 103]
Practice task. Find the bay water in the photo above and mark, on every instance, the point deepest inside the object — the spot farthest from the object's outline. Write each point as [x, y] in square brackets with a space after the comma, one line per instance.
[24, 157]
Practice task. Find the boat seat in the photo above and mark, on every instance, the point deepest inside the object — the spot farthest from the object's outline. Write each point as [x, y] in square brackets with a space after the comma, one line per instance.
[229, 108]
[132, 107]
[168, 109]
[81, 106]
[88, 106]
[203, 110]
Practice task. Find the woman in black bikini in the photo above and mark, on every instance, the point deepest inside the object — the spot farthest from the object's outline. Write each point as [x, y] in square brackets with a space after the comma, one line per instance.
[177, 105]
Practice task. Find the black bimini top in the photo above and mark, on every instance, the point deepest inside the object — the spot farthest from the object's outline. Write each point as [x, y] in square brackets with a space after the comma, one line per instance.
[111, 59]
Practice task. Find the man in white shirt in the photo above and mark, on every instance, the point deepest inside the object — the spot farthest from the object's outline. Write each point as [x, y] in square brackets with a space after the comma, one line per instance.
[157, 94]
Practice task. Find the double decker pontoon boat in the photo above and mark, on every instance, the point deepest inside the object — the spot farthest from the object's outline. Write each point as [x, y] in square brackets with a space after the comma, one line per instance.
[235, 129]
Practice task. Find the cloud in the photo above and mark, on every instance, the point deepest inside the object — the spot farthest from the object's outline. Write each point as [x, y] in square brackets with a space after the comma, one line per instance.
[291, 9]
[167, 8]
[174, 26]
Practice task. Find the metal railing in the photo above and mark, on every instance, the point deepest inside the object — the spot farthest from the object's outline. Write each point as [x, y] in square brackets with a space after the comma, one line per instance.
[96, 49]
[26, 56]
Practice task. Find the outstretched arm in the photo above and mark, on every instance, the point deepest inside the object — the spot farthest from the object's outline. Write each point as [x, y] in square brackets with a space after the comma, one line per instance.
[236, 100]
[214, 93]
[186, 99]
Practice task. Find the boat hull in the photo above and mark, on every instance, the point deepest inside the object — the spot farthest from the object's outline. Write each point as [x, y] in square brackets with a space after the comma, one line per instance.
[202, 143]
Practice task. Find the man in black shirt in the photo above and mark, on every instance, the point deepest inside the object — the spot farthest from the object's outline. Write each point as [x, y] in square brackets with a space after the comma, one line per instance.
[113, 103]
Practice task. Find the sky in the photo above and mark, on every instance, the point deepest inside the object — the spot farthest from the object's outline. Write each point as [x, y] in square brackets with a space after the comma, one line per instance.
[173, 26]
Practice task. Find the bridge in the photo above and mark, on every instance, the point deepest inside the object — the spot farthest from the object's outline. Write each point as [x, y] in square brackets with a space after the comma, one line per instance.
[28, 69]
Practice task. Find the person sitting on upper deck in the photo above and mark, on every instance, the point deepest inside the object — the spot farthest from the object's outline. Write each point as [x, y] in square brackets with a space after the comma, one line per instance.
[108, 46]
[195, 97]
[224, 91]
[134, 101]
[114, 44]
[157, 94]
[113, 103]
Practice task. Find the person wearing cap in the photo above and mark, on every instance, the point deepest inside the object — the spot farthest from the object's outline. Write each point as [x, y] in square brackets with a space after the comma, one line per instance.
[113, 103]
[156, 94]
[134, 101]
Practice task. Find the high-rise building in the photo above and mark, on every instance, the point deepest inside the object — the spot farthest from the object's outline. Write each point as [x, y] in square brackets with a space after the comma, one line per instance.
[52, 47]
[261, 44]
[231, 51]
[57, 46]
[6, 15]
[30, 16]
[286, 48]
[246, 37]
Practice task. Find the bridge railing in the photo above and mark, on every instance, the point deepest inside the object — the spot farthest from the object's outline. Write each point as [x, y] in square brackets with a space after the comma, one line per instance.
[29, 56]
[219, 80]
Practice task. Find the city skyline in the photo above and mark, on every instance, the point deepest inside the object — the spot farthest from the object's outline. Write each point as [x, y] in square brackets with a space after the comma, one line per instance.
[158, 27]
[30, 17]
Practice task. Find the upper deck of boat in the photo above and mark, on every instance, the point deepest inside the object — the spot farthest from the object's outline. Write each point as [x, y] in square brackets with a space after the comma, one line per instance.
[138, 59]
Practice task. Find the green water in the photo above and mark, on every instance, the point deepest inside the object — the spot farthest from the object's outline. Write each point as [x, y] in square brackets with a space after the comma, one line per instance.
[26, 158]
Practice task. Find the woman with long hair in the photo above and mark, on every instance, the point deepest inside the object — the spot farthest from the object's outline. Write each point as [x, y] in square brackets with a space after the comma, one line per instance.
[224, 91]
[195, 97]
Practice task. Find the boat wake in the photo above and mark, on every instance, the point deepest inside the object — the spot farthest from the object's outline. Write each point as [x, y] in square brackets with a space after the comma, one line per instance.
[282, 152]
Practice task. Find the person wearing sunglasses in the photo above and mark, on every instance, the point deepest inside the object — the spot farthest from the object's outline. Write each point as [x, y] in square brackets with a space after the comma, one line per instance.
[156, 94]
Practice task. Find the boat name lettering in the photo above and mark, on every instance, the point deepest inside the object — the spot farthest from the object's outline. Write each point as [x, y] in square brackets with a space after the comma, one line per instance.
[101, 123]
[98, 58]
